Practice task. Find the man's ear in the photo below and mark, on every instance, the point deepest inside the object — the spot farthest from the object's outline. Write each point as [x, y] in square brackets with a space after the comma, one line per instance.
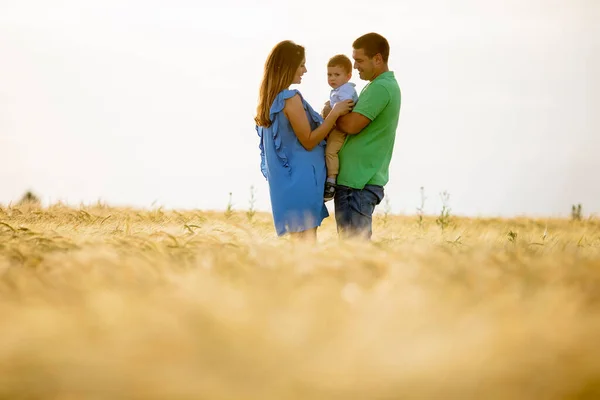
[378, 58]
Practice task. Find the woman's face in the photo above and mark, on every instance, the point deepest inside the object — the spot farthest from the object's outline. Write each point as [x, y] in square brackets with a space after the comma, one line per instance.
[299, 72]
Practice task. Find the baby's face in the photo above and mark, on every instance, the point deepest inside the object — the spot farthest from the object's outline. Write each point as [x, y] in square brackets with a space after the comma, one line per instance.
[336, 76]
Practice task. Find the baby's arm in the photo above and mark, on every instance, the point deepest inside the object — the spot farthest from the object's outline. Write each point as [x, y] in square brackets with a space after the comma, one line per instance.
[335, 98]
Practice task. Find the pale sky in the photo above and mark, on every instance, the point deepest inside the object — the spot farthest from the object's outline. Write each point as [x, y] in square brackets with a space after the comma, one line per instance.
[148, 103]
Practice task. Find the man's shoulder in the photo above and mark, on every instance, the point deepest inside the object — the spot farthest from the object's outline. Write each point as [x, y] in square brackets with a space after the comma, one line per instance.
[390, 83]
[378, 88]
[387, 81]
[385, 88]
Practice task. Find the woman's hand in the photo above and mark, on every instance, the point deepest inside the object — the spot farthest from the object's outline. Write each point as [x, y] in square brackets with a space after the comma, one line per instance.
[326, 109]
[342, 108]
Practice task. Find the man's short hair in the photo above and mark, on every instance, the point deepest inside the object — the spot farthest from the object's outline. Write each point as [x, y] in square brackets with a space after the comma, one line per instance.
[340, 60]
[372, 44]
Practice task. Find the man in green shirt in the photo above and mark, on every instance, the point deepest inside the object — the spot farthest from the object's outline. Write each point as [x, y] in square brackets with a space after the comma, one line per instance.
[371, 128]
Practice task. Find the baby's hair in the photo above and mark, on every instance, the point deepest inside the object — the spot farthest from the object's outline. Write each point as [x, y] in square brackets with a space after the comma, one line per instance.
[340, 60]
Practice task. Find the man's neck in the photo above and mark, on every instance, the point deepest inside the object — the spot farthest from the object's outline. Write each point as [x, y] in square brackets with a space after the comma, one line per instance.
[381, 71]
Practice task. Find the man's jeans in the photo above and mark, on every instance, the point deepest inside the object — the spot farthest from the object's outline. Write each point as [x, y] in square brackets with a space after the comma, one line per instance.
[354, 210]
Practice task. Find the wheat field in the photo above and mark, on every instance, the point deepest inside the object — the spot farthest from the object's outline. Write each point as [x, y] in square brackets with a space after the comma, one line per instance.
[99, 302]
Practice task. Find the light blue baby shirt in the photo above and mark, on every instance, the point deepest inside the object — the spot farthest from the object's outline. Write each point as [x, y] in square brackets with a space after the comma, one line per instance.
[344, 92]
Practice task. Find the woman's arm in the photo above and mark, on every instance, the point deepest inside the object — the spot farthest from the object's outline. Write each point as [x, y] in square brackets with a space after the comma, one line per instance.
[295, 113]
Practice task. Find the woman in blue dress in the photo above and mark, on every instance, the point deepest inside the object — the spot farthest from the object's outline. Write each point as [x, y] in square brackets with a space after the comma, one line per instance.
[292, 145]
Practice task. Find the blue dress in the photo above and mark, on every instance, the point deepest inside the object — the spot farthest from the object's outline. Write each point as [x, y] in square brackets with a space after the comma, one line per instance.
[295, 175]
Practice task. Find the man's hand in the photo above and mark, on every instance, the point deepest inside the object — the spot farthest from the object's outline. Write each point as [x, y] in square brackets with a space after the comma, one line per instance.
[326, 109]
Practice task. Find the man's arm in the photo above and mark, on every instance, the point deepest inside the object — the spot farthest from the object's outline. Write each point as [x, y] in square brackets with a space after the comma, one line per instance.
[371, 103]
[352, 123]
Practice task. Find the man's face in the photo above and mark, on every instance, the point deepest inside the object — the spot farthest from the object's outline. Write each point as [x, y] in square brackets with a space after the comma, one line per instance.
[364, 64]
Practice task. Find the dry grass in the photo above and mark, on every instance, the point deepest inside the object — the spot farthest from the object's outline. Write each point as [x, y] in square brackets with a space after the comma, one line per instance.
[107, 303]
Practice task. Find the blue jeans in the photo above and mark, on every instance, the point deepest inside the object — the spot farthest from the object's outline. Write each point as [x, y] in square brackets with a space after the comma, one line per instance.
[354, 210]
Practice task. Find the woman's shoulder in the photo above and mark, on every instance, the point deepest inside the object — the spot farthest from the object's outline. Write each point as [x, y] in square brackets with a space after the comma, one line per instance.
[279, 102]
[288, 94]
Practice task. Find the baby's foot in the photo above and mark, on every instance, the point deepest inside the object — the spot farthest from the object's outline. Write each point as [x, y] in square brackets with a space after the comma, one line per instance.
[329, 191]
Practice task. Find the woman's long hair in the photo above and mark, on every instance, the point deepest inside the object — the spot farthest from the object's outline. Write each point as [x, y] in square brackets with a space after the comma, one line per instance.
[280, 69]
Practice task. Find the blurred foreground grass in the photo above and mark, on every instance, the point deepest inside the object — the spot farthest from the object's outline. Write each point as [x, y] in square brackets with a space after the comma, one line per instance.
[109, 303]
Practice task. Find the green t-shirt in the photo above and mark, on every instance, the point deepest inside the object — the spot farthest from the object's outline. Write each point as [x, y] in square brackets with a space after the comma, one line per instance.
[365, 157]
